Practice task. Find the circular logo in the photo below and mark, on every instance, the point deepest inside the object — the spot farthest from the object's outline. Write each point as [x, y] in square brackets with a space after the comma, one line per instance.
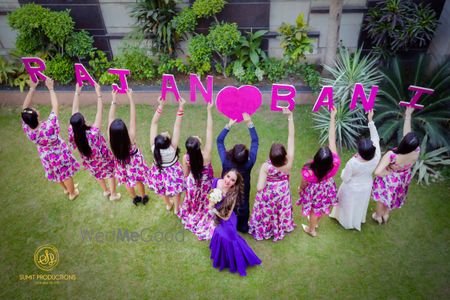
[46, 257]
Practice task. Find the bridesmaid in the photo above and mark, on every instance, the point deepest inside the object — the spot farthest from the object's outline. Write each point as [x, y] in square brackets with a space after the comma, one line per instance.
[228, 248]
[95, 155]
[56, 158]
[318, 192]
[393, 173]
[167, 172]
[272, 211]
[130, 166]
[199, 173]
[354, 192]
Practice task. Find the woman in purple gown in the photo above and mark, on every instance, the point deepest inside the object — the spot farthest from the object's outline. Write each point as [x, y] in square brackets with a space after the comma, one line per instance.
[228, 248]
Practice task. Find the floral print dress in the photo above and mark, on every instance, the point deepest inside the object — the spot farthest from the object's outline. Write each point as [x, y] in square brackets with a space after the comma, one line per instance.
[195, 204]
[272, 211]
[392, 189]
[134, 170]
[319, 197]
[56, 157]
[101, 162]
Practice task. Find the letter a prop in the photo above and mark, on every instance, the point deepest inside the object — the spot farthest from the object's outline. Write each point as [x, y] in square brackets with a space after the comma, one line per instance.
[83, 75]
[327, 91]
[33, 71]
[169, 78]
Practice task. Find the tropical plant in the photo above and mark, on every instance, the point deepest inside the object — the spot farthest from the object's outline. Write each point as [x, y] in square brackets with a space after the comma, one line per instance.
[200, 54]
[348, 70]
[208, 8]
[60, 68]
[154, 22]
[79, 45]
[396, 25]
[275, 69]
[308, 74]
[185, 22]
[169, 65]
[6, 71]
[425, 167]
[294, 40]
[433, 119]
[223, 39]
[248, 52]
[98, 63]
[136, 60]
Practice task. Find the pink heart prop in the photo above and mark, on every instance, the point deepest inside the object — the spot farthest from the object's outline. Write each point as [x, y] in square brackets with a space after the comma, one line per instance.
[233, 102]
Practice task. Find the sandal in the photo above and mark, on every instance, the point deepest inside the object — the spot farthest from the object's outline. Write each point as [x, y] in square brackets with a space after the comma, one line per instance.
[377, 219]
[115, 197]
[66, 192]
[72, 197]
[306, 229]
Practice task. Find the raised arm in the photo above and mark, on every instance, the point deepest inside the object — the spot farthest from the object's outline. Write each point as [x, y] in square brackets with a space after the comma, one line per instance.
[262, 177]
[50, 85]
[291, 139]
[76, 99]
[407, 123]
[99, 115]
[209, 134]
[132, 128]
[112, 110]
[254, 136]
[29, 97]
[374, 137]
[177, 124]
[332, 131]
[221, 140]
[155, 119]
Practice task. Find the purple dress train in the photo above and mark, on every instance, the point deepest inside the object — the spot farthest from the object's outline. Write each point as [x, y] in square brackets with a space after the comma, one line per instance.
[229, 249]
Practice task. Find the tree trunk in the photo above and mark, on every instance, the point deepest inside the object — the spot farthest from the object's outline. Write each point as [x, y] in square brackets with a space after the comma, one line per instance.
[334, 23]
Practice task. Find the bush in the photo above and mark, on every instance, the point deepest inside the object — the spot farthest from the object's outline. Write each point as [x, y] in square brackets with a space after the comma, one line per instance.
[108, 78]
[223, 39]
[136, 60]
[200, 54]
[80, 45]
[169, 65]
[310, 76]
[98, 63]
[295, 41]
[395, 26]
[275, 69]
[61, 69]
[248, 51]
[207, 8]
[185, 22]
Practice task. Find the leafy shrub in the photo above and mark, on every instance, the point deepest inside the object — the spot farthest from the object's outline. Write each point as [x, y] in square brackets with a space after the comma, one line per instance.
[249, 51]
[108, 78]
[348, 70]
[433, 119]
[295, 41]
[154, 21]
[80, 44]
[200, 54]
[425, 169]
[98, 63]
[395, 25]
[247, 75]
[223, 39]
[310, 76]
[185, 22]
[136, 60]
[60, 68]
[275, 69]
[169, 65]
[208, 8]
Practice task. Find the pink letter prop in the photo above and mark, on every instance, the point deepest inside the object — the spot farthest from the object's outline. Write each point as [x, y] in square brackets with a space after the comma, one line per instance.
[327, 91]
[123, 80]
[194, 83]
[288, 97]
[233, 102]
[419, 91]
[169, 78]
[34, 72]
[83, 75]
[358, 92]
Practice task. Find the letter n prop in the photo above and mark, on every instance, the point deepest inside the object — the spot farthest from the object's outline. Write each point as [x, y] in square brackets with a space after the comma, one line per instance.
[122, 73]
[194, 83]
[419, 91]
[358, 92]
[34, 71]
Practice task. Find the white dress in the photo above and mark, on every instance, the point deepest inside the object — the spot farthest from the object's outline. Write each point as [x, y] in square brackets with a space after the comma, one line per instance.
[354, 192]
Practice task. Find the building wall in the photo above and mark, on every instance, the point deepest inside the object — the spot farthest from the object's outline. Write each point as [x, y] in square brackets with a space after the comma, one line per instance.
[439, 49]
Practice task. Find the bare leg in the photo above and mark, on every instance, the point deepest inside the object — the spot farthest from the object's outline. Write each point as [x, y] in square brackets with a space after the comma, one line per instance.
[103, 184]
[313, 223]
[112, 185]
[64, 187]
[176, 203]
[385, 215]
[377, 215]
[167, 202]
[141, 188]
[73, 193]
[131, 192]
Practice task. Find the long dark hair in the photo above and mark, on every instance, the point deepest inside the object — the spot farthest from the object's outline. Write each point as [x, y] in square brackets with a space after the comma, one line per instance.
[120, 140]
[277, 155]
[238, 154]
[30, 117]
[79, 132]
[322, 162]
[366, 149]
[161, 142]
[234, 195]
[195, 157]
[408, 144]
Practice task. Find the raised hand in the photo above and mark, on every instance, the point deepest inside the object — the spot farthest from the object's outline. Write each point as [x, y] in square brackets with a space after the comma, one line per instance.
[98, 90]
[333, 112]
[409, 110]
[32, 84]
[129, 93]
[231, 122]
[49, 83]
[210, 106]
[370, 115]
[78, 88]
[182, 102]
[287, 111]
[246, 118]
[114, 96]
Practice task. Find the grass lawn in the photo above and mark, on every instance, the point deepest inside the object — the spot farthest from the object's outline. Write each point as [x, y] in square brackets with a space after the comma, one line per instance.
[407, 258]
